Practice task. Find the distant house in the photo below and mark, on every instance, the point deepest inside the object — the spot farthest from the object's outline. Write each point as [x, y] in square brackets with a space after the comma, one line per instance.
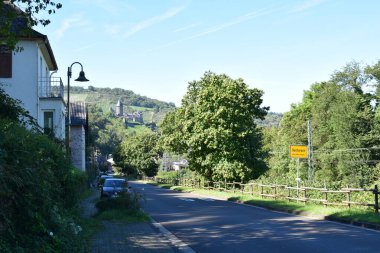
[135, 117]
[78, 128]
[27, 76]
[178, 165]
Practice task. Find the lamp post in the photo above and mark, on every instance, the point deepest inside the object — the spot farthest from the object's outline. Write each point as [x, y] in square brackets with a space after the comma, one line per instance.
[81, 78]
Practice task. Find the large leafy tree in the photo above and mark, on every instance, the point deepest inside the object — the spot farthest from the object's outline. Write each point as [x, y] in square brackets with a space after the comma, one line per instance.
[137, 154]
[216, 127]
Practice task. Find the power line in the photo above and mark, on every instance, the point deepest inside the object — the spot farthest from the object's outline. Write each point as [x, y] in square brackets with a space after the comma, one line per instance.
[346, 150]
[330, 150]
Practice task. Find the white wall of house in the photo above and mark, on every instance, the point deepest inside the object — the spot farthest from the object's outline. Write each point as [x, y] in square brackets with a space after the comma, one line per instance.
[29, 67]
[23, 84]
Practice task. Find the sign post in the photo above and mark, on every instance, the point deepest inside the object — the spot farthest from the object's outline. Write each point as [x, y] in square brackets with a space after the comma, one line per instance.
[299, 152]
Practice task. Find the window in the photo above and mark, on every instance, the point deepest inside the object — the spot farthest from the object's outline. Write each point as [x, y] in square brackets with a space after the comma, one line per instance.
[48, 123]
[5, 62]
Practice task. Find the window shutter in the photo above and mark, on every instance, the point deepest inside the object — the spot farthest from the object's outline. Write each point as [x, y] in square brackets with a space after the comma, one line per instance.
[5, 62]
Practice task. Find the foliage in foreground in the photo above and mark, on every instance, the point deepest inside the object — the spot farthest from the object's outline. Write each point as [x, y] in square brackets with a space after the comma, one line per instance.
[216, 127]
[38, 187]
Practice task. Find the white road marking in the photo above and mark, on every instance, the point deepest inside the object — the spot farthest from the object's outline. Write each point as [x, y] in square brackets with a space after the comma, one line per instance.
[186, 199]
[181, 246]
[206, 199]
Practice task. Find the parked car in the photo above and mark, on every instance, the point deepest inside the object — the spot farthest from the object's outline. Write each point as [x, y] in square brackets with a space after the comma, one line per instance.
[101, 180]
[113, 186]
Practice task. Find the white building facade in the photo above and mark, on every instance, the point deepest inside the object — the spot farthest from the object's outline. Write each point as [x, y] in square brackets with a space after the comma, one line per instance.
[26, 76]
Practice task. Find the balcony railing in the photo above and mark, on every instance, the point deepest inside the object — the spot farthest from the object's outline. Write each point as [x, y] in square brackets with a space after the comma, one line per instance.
[50, 87]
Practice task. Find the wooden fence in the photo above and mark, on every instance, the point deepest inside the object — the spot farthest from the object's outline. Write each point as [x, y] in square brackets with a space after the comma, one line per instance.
[324, 196]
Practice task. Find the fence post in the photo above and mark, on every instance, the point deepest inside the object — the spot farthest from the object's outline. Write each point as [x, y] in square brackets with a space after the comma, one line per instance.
[275, 191]
[305, 195]
[376, 192]
[262, 190]
[348, 197]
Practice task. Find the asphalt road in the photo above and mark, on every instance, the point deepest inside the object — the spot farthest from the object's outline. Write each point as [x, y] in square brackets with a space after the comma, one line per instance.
[208, 225]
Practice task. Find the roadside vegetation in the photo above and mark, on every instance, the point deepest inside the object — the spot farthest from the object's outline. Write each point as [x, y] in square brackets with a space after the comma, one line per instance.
[345, 125]
[217, 133]
[125, 208]
[39, 189]
[216, 128]
[220, 130]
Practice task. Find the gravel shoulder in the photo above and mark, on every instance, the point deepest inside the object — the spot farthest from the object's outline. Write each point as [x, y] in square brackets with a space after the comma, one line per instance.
[119, 236]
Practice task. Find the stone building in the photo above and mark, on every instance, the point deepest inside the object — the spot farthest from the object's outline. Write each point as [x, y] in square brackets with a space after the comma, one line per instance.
[119, 108]
[78, 128]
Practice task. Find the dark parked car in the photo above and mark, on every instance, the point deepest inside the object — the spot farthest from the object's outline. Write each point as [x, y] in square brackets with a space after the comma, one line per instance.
[113, 186]
[101, 180]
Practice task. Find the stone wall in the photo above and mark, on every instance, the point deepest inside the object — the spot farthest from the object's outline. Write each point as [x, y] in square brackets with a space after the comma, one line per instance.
[77, 146]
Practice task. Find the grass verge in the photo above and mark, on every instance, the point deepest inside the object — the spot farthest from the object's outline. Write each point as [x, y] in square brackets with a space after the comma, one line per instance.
[360, 215]
[128, 216]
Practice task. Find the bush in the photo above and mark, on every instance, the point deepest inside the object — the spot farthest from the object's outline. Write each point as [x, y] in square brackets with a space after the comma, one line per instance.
[38, 187]
[125, 207]
[122, 201]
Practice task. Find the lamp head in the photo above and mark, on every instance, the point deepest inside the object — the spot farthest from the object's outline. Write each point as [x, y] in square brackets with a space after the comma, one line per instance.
[82, 77]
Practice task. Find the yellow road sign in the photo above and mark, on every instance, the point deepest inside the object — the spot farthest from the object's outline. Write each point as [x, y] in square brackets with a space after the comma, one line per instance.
[298, 151]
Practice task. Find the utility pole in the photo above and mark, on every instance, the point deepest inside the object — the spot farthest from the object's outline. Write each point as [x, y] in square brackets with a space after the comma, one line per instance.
[310, 151]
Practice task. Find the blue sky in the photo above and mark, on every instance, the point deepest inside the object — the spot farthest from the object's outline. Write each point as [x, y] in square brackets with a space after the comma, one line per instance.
[156, 47]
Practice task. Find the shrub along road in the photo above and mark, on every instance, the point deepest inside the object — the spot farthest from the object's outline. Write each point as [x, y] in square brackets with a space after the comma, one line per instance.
[209, 225]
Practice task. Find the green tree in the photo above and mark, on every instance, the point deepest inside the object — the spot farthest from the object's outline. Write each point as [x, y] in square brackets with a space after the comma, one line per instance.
[172, 133]
[216, 127]
[343, 115]
[138, 154]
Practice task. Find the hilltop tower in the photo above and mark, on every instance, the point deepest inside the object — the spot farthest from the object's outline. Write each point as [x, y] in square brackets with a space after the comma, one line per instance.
[119, 108]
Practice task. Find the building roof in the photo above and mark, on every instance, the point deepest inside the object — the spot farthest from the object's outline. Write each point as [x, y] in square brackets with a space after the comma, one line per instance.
[78, 114]
[119, 103]
[20, 26]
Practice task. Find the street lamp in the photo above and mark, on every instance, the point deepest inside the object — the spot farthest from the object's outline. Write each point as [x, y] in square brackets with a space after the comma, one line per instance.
[81, 78]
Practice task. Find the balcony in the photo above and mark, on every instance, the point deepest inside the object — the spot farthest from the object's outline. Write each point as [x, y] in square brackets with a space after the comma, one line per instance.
[50, 87]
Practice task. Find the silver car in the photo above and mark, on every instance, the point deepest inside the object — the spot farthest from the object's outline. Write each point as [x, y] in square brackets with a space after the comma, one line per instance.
[113, 186]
